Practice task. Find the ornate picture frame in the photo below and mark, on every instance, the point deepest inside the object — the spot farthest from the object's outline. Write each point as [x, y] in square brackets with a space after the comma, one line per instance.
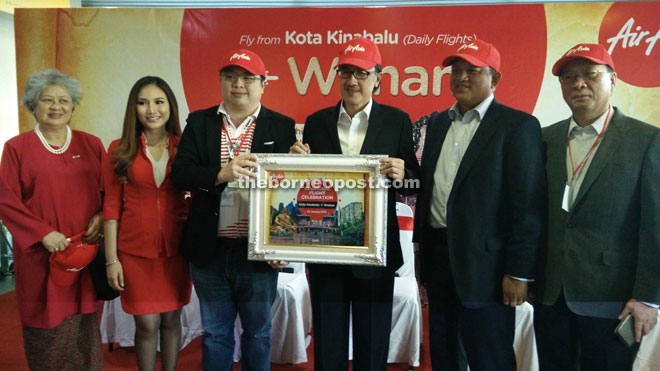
[318, 209]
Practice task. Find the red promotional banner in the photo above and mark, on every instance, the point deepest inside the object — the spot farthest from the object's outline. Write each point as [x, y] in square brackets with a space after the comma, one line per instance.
[300, 47]
[300, 56]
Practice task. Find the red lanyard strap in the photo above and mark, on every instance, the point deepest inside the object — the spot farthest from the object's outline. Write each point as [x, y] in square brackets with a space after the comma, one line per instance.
[235, 146]
[568, 144]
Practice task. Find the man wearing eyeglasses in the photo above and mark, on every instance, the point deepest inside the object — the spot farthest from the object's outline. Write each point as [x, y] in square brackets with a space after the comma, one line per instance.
[602, 259]
[214, 152]
[479, 215]
[358, 125]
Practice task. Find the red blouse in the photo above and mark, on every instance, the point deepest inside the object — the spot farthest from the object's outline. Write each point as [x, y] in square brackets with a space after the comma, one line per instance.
[44, 192]
[151, 219]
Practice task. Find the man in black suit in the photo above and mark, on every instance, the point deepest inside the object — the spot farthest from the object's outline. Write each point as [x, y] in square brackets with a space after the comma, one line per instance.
[479, 215]
[213, 154]
[359, 125]
[602, 259]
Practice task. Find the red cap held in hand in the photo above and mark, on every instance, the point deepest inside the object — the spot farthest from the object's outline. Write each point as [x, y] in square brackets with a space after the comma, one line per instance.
[65, 266]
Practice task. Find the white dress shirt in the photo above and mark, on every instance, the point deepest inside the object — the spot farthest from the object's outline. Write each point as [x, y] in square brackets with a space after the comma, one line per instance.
[459, 136]
[352, 131]
[234, 207]
[581, 139]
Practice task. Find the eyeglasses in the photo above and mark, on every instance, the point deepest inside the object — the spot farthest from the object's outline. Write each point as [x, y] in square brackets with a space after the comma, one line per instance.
[232, 77]
[358, 74]
[588, 75]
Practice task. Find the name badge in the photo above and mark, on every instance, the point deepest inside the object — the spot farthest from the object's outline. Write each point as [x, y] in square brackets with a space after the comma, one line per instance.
[568, 197]
[228, 195]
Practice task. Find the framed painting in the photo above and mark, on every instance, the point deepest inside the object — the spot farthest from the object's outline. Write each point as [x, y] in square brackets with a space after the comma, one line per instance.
[318, 209]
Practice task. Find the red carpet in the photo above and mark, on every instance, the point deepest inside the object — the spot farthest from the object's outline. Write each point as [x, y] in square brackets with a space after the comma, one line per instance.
[190, 358]
[11, 340]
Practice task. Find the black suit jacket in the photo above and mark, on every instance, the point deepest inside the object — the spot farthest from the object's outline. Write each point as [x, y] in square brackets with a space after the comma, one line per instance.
[389, 133]
[606, 250]
[196, 166]
[495, 208]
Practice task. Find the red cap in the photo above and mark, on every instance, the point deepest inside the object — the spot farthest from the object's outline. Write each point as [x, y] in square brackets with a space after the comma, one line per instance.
[65, 266]
[359, 52]
[478, 53]
[593, 52]
[246, 59]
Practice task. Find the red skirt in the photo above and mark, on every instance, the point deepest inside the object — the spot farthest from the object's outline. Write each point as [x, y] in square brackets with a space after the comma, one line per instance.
[154, 285]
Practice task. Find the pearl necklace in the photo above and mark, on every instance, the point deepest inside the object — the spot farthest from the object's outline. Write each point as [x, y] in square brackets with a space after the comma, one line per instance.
[50, 149]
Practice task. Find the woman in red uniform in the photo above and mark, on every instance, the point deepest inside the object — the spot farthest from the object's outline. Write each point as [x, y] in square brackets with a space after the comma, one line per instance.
[52, 190]
[143, 220]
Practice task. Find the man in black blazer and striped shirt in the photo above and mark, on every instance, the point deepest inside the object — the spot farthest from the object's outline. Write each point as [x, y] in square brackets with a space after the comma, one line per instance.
[215, 151]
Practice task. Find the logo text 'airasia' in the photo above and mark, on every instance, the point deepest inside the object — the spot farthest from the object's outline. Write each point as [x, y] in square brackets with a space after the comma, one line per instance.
[239, 56]
[631, 39]
[580, 48]
[356, 48]
[468, 46]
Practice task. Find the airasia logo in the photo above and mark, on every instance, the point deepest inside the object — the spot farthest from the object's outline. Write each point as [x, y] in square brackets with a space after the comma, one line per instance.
[575, 50]
[239, 56]
[467, 46]
[276, 177]
[356, 48]
[630, 32]
[633, 39]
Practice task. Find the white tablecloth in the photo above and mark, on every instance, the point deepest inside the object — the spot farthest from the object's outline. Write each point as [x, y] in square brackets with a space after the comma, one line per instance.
[648, 357]
[291, 321]
[118, 327]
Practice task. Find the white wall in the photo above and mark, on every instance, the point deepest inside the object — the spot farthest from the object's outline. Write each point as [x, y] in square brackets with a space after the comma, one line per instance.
[8, 95]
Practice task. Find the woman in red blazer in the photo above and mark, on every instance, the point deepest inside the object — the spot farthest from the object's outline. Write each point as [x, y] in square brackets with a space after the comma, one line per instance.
[143, 220]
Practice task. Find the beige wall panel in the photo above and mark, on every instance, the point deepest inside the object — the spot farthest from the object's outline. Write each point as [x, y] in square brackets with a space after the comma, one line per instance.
[36, 35]
[108, 50]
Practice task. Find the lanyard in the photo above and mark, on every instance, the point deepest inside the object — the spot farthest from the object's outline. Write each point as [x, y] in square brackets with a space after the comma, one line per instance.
[568, 144]
[235, 146]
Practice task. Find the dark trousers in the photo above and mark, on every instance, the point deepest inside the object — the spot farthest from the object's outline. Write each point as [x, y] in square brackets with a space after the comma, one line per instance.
[337, 294]
[483, 334]
[565, 340]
